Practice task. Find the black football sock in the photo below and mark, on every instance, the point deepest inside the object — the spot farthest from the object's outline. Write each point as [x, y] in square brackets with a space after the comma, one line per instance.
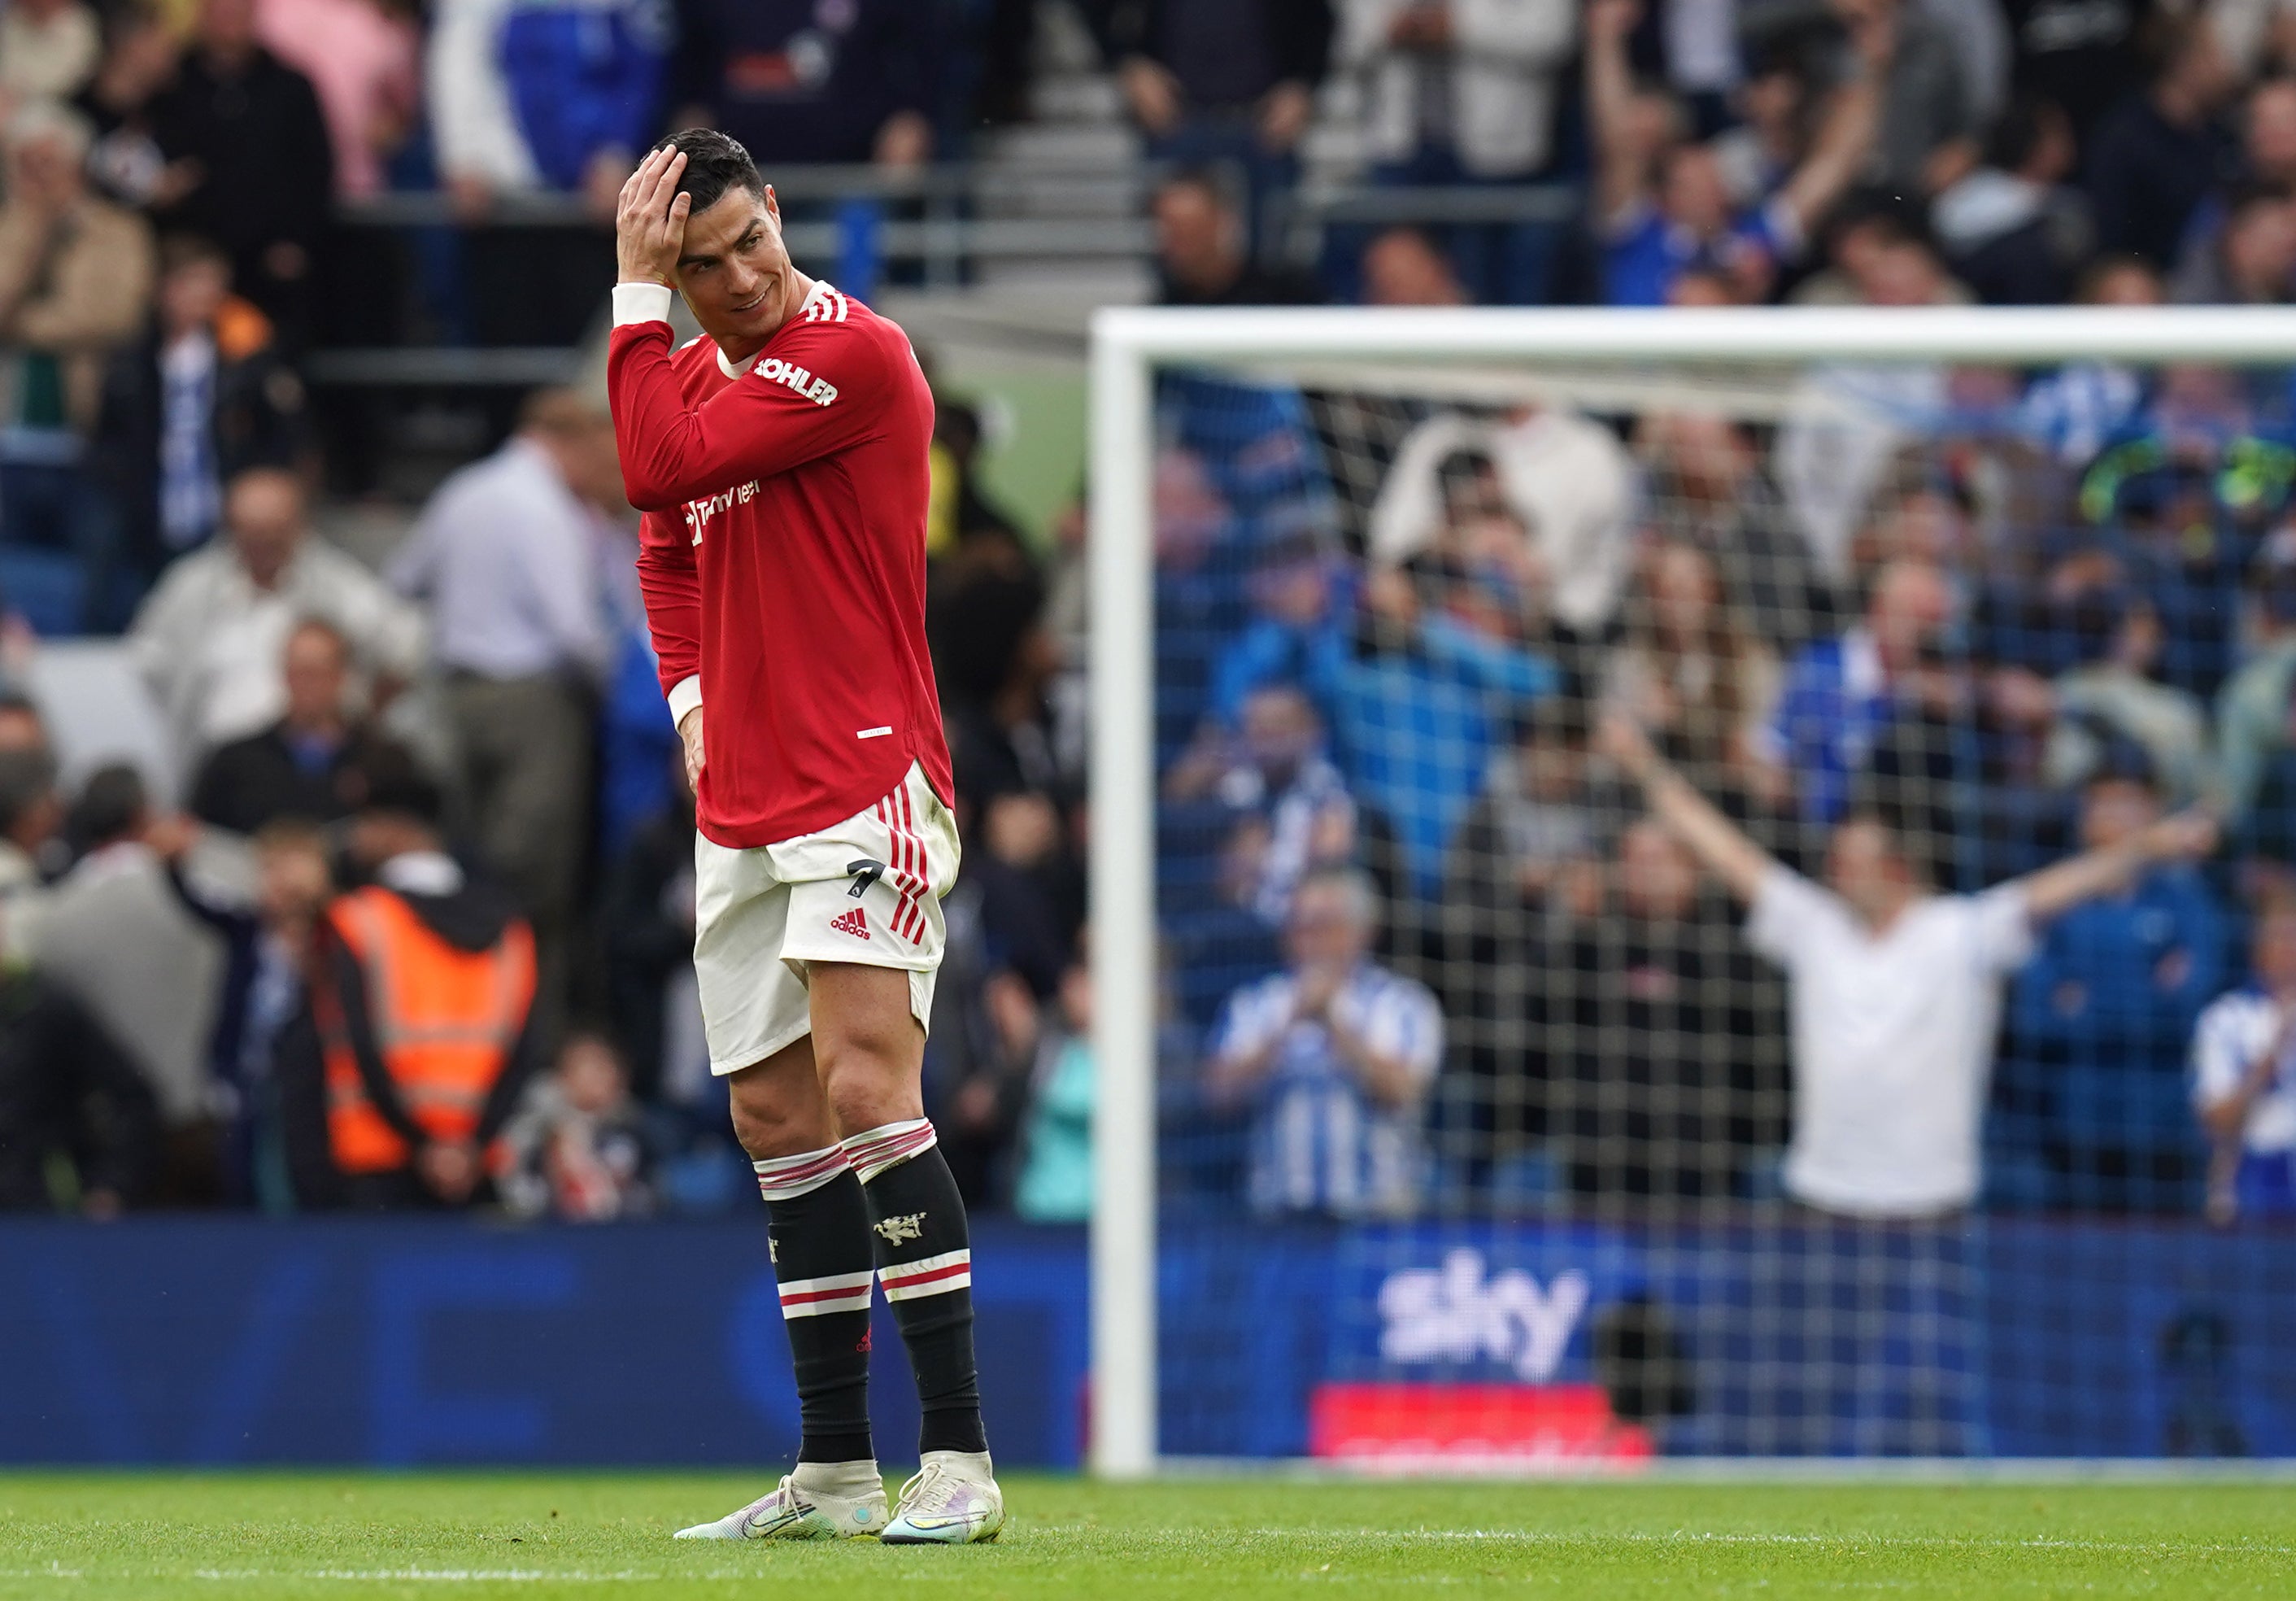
[924, 1259]
[819, 1224]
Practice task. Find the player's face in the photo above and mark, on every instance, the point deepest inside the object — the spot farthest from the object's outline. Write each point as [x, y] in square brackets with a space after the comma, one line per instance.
[734, 270]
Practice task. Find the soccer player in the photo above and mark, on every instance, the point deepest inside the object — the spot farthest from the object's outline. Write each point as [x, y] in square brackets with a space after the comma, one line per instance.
[780, 462]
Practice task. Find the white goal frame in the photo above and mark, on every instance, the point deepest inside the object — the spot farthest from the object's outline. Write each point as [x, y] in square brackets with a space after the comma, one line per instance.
[1129, 344]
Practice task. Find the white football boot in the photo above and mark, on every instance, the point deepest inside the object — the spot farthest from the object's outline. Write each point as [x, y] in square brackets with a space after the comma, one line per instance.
[807, 1505]
[952, 1501]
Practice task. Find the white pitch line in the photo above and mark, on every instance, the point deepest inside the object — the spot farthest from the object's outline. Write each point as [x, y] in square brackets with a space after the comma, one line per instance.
[1686, 1537]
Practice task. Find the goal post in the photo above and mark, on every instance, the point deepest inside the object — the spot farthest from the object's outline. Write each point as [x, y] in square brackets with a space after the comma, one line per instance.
[1478, 351]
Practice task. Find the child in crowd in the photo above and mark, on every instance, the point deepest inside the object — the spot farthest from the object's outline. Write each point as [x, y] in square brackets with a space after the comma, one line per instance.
[1055, 1179]
[582, 1149]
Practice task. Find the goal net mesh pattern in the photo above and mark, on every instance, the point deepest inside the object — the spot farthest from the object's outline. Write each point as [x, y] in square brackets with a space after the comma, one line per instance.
[1492, 1131]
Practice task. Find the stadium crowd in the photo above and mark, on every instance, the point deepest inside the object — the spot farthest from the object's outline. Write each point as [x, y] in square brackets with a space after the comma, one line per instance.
[1441, 930]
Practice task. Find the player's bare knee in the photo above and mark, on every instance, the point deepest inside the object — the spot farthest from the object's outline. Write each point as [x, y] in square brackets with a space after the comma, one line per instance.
[777, 1106]
[870, 1083]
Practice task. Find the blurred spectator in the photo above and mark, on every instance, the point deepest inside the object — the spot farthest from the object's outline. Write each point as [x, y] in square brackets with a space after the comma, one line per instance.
[31, 815]
[201, 398]
[1560, 483]
[1302, 593]
[961, 510]
[647, 915]
[2105, 1007]
[1403, 267]
[115, 937]
[548, 96]
[422, 988]
[2014, 229]
[993, 661]
[1707, 485]
[1231, 84]
[1690, 672]
[636, 739]
[1288, 809]
[1880, 252]
[267, 947]
[311, 764]
[210, 638]
[2155, 155]
[580, 1147]
[552, 96]
[2114, 692]
[362, 59]
[48, 48]
[1663, 205]
[989, 1084]
[139, 61]
[2179, 519]
[75, 278]
[2075, 410]
[1031, 888]
[1203, 254]
[2253, 714]
[1656, 999]
[799, 82]
[2083, 57]
[1541, 814]
[250, 161]
[2252, 259]
[1442, 669]
[79, 1129]
[2244, 1084]
[1930, 112]
[1528, 854]
[1460, 94]
[2267, 161]
[1895, 991]
[1841, 695]
[506, 554]
[1332, 1058]
[1054, 1183]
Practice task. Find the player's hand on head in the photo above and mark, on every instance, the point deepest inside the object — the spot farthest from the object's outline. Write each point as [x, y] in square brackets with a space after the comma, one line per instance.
[650, 219]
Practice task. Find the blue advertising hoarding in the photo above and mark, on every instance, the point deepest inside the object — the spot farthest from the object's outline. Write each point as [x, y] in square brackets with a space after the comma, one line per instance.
[440, 1341]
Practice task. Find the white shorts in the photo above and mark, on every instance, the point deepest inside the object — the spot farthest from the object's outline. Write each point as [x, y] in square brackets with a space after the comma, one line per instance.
[867, 891]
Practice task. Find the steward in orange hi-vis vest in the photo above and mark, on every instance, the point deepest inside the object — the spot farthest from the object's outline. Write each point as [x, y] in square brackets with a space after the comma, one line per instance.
[422, 1015]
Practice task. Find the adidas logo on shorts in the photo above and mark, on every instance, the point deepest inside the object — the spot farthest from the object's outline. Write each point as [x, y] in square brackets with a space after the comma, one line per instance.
[851, 922]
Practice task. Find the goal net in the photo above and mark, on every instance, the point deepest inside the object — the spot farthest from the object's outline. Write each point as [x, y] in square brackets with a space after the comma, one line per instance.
[1632, 912]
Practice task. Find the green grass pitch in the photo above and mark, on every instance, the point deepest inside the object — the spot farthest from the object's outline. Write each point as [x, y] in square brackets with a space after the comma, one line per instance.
[536, 1536]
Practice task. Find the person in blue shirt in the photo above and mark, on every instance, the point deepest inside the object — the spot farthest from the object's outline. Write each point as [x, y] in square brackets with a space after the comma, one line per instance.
[1332, 1058]
[1664, 205]
[2103, 1013]
[1842, 694]
[1302, 593]
[1439, 673]
[2244, 1076]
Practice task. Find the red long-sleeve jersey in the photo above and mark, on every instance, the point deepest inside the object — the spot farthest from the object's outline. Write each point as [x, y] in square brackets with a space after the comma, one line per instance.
[782, 558]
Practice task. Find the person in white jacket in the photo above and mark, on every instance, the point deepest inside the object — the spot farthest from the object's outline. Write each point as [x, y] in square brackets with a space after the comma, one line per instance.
[1567, 483]
[1463, 92]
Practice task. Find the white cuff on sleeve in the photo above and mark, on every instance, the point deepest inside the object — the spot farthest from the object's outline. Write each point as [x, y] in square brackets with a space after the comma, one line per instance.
[641, 303]
[684, 695]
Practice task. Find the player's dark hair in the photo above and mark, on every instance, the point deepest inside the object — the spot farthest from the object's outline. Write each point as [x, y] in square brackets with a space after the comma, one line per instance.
[715, 162]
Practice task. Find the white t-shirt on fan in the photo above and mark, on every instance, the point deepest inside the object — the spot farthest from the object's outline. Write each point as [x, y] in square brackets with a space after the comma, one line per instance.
[1893, 1039]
